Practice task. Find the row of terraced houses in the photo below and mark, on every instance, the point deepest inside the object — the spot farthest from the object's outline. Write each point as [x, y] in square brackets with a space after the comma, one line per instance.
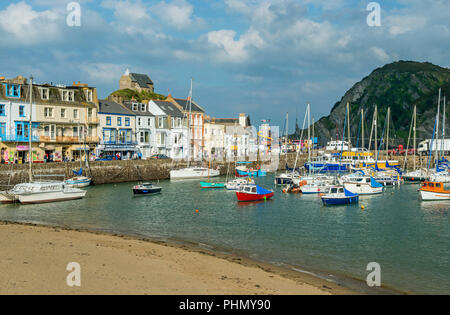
[69, 123]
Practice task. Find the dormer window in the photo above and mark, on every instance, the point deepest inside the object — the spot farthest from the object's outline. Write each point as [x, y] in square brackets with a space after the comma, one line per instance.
[88, 95]
[143, 107]
[45, 95]
[68, 96]
[135, 107]
[12, 90]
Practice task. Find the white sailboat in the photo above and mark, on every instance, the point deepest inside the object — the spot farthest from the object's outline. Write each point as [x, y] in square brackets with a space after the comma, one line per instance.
[79, 181]
[192, 172]
[40, 192]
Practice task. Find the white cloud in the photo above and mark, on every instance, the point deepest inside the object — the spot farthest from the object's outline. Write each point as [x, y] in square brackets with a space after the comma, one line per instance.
[103, 73]
[380, 54]
[399, 25]
[29, 26]
[234, 50]
[178, 14]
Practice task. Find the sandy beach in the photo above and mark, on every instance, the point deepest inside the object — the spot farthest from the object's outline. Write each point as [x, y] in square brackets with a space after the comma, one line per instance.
[34, 261]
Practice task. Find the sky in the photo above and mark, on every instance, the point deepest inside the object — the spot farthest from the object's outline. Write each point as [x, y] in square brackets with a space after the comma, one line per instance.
[263, 58]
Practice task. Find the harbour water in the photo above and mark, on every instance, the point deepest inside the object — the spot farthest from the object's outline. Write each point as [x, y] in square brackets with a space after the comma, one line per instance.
[410, 239]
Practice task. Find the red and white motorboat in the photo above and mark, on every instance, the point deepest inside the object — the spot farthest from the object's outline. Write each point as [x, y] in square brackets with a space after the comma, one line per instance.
[253, 192]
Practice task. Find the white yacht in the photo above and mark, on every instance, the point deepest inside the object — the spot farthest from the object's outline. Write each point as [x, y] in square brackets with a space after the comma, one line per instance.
[45, 192]
[363, 185]
[193, 172]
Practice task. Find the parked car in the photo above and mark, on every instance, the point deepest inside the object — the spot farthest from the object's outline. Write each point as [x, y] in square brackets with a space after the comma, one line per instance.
[159, 157]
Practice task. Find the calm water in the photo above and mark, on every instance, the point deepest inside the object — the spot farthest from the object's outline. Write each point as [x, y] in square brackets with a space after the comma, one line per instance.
[410, 239]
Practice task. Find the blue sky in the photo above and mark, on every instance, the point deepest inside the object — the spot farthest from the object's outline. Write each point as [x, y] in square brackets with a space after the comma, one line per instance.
[264, 58]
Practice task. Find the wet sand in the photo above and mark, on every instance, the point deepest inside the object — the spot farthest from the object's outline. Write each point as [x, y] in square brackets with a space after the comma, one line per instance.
[34, 259]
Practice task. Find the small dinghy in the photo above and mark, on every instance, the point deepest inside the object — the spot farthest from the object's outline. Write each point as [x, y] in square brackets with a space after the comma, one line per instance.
[146, 189]
[338, 195]
[253, 192]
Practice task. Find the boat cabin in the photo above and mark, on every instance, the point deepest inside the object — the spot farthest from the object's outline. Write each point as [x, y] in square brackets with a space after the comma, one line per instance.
[433, 186]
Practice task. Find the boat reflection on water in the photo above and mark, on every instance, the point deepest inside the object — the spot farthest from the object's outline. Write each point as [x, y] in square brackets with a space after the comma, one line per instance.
[251, 204]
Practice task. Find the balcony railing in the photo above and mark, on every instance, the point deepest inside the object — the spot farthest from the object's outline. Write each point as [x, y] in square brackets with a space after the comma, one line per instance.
[93, 120]
[119, 142]
[15, 138]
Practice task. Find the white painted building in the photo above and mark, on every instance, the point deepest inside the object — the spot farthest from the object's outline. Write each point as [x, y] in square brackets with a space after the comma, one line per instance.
[145, 128]
[171, 133]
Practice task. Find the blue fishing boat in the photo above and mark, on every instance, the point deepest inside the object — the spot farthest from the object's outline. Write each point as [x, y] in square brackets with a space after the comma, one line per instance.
[244, 171]
[338, 195]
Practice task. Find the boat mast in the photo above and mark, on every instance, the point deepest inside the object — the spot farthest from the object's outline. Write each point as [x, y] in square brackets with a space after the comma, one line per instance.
[387, 134]
[348, 130]
[309, 136]
[30, 174]
[443, 130]
[414, 143]
[287, 136]
[312, 143]
[189, 126]
[436, 155]
[376, 143]
[362, 127]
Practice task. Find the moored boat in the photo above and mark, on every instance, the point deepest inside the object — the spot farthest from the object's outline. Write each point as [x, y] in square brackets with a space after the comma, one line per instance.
[193, 172]
[338, 195]
[251, 192]
[238, 182]
[363, 185]
[146, 189]
[434, 191]
[45, 192]
[78, 182]
[207, 185]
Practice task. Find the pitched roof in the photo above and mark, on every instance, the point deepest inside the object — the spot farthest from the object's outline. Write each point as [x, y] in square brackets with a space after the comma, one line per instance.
[184, 103]
[129, 106]
[142, 79]
[168, 108]
[109, 107]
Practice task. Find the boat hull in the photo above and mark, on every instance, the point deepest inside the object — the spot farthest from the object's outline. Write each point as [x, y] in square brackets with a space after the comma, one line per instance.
[147, 192]
[193, 174]
[81, 182]
[432, 195]
[330, 201]
[51, 197]
[6, 198]
[206, 185]
[245, 197]
[363, 189]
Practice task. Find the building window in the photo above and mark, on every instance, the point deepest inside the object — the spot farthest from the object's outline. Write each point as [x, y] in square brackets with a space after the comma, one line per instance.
[122, 136]
[48, 112]
[2, 110]
[22, 111]
[119, 121]
[127, 122]
[143, 107]
[90, 131]
[75, 114]
[90, 112]
[135, 107]
[139, 122]
[150, 122]
[63, 113]
[45, 95]
[88, 95]
[161, 138]
[129, 137]
[160, 122]
[68, 96]
[108, 120]
[12, 90]
[2, 129]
